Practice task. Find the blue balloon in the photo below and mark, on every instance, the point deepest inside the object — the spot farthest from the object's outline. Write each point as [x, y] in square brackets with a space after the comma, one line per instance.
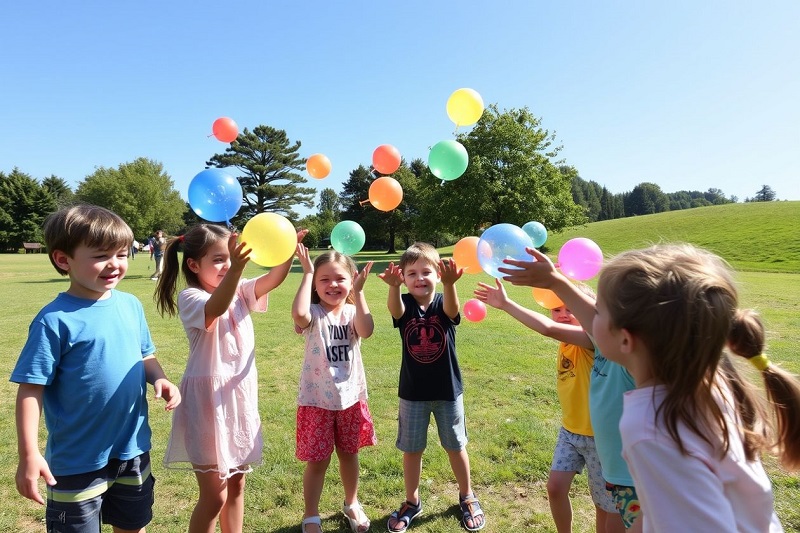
[502, 241]
[537, 232]
[348, 237]
[215, 195]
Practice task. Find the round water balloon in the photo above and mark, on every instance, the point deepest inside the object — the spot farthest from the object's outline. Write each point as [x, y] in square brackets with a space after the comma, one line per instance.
[385, 193]
[580, 258]
[448, 160]
[318, 166]
[465, 254]
[464, 107]
[215, 195]
[537, 232]
[348, 237]
[386, 159]
[546, 298]
[474, 310]
[225, 129]
[499, 242]
[271, 238]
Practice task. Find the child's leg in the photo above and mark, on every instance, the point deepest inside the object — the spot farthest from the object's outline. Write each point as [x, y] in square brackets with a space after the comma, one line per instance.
[213, 493]
[348, 470]
[231, 517]
[558, 485]
[313, 480]
[412, 473]
[609, 522]
[459, 462]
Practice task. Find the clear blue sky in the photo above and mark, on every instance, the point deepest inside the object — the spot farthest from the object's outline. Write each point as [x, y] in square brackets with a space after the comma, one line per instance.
[687, 94]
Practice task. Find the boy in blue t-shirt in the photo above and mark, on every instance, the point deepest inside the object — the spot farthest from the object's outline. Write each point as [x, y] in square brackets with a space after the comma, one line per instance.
[86, 363]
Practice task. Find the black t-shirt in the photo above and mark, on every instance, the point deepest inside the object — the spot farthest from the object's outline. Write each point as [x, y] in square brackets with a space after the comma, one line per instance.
[429, 369]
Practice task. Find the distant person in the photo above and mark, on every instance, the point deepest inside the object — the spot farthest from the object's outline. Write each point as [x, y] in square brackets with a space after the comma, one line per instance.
[430, 378]
[331, 312]
[216, 432]
[575, 447]
[89, 375]
[134, 249]
[157, 244]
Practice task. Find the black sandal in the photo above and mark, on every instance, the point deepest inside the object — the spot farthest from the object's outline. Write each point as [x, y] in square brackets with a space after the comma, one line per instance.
[405, 515]
[471, 510]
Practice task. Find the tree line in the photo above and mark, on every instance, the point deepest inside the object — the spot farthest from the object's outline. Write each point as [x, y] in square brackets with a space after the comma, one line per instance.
[514, 175]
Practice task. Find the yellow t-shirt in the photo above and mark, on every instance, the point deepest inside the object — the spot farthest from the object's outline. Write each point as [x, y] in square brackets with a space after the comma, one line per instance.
[574, 367]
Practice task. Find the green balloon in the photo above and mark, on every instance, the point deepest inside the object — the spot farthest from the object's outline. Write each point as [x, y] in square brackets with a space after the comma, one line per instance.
[348, 237]
[448, 160]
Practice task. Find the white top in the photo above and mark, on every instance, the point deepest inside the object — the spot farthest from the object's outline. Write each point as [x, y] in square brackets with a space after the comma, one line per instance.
[217, 425]
[701, 491]
[332, 376]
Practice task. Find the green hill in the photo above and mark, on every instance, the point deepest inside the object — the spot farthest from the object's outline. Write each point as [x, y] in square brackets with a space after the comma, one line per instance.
[758, 236]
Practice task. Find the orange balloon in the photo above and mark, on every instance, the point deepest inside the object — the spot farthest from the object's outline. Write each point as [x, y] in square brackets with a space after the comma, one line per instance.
[546, 298]
[318, 166]
[386, 159]
[385, 193]
[465, 254]
[225, 129]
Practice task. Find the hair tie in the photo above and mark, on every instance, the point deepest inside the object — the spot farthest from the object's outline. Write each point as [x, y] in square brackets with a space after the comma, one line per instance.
[180, 238]
[761, 362]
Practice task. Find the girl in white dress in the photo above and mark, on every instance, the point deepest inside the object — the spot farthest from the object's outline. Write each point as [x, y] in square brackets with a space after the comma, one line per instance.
[217, 431]
[332, 314]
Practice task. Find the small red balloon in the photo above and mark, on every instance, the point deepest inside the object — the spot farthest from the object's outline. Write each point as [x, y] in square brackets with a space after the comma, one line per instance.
[386, 159]
[225, 129]
[474, 310]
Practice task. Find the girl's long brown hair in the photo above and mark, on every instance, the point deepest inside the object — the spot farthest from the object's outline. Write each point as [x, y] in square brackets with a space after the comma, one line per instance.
[195, 244]
[333, 257]
[682, 303]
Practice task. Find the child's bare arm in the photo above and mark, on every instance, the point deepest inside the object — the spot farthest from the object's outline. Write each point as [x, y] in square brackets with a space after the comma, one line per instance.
[450, 273]
[163, 387]
[270, 281]
[31, 464]
[393, 277]
[301, 306]
[542, 273]
[497, 298]
[363, 322]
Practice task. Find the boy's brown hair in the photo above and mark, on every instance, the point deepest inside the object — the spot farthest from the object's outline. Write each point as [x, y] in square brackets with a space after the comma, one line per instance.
[417, 251]
[90, 225]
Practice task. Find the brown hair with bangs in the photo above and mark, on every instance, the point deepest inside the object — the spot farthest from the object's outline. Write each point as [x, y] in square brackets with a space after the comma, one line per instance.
[333, 256]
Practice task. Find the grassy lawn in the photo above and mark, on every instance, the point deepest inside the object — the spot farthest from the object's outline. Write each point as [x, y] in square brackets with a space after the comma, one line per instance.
[511, 405]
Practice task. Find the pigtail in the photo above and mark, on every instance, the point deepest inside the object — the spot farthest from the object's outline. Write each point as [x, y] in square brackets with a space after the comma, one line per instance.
[167, 282]
[746, 339]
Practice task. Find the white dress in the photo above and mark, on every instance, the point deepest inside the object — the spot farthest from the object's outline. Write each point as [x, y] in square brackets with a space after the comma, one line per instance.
[217, 426]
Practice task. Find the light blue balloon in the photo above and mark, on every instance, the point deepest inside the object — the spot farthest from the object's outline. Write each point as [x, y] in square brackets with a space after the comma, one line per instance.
[348, 237]
[502, 241]
[215, 195]
[537, 232]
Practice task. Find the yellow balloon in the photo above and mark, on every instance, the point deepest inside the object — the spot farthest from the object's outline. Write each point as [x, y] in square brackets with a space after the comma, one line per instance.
[271, 237]
[465, 107]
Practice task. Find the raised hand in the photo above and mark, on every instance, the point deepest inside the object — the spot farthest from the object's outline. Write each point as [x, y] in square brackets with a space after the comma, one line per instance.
[493, 296]
[239, 252]
[537, 273]
[393, 275]
[304, 257]
[361, 277]
[450, 273]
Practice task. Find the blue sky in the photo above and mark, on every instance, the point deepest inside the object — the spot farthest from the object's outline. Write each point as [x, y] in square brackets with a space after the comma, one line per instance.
[687, 94]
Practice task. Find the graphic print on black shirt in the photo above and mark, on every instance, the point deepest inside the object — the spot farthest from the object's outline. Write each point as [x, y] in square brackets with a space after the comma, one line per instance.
[425, 339]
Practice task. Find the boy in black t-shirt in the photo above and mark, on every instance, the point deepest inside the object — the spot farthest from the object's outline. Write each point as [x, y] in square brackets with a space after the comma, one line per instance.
[430, 380]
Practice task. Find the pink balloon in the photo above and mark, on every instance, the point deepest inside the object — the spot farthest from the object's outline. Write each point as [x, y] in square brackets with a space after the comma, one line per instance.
[474, 310]
[580, 258]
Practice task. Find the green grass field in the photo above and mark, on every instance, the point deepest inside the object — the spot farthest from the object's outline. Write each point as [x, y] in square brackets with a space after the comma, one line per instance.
[509, 375]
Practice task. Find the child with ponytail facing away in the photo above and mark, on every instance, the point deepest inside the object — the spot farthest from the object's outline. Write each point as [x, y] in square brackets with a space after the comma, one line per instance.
[217, 432]
[694, 428]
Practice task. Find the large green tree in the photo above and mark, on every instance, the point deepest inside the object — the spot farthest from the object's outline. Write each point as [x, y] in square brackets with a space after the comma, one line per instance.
[24, 204]
[512, 177]
[646, 199]
[268, 164]
[140, 192]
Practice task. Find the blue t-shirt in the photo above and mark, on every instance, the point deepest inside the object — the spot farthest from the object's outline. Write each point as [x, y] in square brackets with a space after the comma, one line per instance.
[88, 356]
[609, 382]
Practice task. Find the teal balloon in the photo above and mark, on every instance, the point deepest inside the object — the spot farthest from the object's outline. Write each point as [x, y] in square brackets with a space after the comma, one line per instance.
[537, 233]
[448, 160]
[348, 237]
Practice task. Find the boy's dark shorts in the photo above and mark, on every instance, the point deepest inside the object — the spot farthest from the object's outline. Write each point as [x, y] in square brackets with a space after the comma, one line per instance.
[121, 494]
